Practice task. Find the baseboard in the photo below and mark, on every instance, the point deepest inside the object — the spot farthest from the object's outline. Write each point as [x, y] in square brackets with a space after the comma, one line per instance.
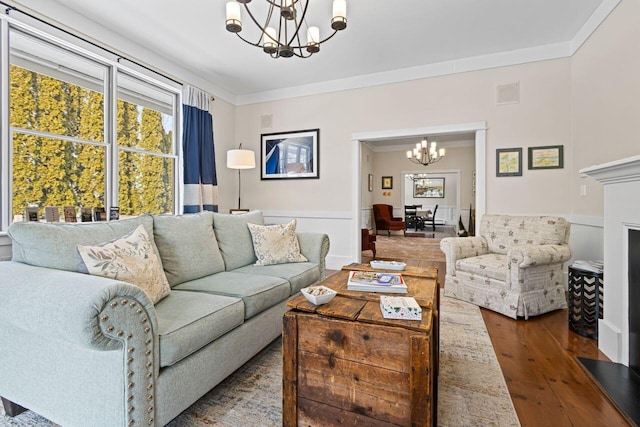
[610, 341]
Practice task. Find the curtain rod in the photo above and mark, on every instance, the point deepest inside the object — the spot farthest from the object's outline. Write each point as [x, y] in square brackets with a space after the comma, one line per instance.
[10, 8]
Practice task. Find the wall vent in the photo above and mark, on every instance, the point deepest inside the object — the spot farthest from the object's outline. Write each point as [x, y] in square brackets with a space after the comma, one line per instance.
[266, 121]
[508, 93]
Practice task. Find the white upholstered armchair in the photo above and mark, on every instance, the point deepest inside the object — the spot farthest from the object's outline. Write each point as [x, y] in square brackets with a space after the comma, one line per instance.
[513, 267]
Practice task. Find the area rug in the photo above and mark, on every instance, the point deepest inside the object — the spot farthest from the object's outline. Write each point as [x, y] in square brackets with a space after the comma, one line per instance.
[471, 392]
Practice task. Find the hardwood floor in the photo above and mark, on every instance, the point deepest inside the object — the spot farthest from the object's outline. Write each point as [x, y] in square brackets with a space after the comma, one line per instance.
[537, 356]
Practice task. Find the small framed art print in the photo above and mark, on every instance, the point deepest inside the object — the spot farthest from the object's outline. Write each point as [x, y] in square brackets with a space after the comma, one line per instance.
[548, 157]
[509, 162]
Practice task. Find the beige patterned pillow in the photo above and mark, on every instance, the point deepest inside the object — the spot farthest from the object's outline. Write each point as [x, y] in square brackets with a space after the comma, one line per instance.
[276, 244]
[130, 259]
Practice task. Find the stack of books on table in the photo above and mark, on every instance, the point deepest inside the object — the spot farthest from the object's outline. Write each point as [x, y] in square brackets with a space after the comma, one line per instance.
[371, 281]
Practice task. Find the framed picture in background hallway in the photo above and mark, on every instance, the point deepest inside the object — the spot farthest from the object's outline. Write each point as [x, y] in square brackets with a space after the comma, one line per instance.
[290, 155]
[387, 182]
[430, 188]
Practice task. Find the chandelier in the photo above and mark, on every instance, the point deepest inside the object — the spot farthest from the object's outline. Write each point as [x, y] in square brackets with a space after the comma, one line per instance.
[280, 35]
[425, 154]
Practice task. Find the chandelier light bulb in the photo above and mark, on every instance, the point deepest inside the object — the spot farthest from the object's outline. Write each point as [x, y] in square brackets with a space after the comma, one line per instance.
[313, 39]
[234, 18]
[442, 152]
[339, 21]
[269, 40]
[287, 11]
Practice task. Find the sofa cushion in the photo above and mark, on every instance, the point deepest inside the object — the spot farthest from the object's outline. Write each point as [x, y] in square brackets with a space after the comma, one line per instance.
[299, 274]
[257, 292]
[234, 238]
[494, 266]
[187, 246]
[276, 244]
[54, 245]
[187, 321]
[131, 259]
[504, 231]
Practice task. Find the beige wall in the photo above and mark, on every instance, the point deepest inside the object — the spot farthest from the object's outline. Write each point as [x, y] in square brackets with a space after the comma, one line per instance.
[605, 101]
[224, 124]
[541, 118]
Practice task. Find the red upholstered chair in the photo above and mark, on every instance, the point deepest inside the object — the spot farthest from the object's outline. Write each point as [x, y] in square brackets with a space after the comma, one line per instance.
[368, 241]
[383, 215]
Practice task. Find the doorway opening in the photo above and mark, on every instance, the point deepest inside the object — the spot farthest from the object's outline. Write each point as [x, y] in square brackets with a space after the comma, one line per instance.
[478, 129]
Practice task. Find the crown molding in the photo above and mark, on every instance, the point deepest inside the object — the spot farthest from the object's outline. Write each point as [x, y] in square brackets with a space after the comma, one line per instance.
[594, 21]
[501, 59]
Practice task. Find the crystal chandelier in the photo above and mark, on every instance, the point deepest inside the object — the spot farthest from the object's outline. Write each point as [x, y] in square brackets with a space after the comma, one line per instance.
[280, 35]
[425, 154]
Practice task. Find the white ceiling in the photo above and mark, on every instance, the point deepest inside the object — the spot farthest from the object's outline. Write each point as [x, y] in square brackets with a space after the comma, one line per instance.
[384, 40]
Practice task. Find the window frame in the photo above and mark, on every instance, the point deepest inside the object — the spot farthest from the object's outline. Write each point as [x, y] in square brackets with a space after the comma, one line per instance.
[113, 67]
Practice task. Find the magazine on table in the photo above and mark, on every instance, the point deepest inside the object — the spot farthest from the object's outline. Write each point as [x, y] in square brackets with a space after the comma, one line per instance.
[371, 281]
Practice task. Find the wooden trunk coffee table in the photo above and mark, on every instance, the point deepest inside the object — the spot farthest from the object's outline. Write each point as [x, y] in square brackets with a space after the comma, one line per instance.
[345, 364]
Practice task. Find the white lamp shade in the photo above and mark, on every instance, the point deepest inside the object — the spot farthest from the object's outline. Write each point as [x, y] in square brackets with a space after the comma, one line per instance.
[233, 11]
[241, 159]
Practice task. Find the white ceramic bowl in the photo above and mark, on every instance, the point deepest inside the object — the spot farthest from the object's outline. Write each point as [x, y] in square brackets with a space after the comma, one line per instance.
[318, 299]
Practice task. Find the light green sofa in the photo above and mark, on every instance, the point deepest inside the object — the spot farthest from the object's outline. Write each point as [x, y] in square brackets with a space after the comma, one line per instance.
[83, 350]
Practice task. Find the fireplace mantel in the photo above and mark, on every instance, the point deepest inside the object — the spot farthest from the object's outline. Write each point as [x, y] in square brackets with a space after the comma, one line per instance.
[621, 183]
[623, 170]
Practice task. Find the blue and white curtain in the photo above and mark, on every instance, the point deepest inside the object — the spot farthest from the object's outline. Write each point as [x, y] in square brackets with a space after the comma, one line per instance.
[200, 181]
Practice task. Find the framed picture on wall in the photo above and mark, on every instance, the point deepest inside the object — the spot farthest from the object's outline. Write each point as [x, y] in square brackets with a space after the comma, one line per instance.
[509, 162]
[387, 182]
[429, 188]
[549, 157]
[290, 155]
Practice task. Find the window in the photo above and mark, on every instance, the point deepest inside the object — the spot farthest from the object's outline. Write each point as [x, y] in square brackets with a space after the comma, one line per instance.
[57, 118]
[146, 158]
[73, 141]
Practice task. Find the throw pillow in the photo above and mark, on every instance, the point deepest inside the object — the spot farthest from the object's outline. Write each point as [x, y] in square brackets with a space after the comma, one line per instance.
[276, 244]
[130, 259]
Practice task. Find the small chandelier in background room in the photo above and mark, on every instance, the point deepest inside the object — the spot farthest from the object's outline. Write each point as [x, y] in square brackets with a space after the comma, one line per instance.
[425, 154]
[280, 36]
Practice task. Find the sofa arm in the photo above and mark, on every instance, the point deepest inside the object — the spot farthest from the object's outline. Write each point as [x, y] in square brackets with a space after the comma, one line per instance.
[523, 256]
[63, 304]
[315, 247]
[88, 311]
[456, 248]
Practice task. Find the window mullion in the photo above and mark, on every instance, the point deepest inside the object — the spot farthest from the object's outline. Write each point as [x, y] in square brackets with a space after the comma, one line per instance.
[55, 136]
[111, 136]
[5, 150]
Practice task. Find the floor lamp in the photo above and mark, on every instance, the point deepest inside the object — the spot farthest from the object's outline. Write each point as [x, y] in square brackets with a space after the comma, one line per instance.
[240, 159]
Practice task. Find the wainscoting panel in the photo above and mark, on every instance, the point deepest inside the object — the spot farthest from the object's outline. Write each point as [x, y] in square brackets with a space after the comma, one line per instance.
[337, 225]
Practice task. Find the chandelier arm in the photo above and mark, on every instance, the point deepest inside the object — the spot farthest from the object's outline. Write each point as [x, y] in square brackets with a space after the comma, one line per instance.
[247, 41]
[298, 25]
[328, 37]
[277, 5]
[255, 21]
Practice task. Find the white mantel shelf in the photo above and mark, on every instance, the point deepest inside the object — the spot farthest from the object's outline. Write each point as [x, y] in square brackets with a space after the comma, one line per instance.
[621, 185]
[623, 170]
